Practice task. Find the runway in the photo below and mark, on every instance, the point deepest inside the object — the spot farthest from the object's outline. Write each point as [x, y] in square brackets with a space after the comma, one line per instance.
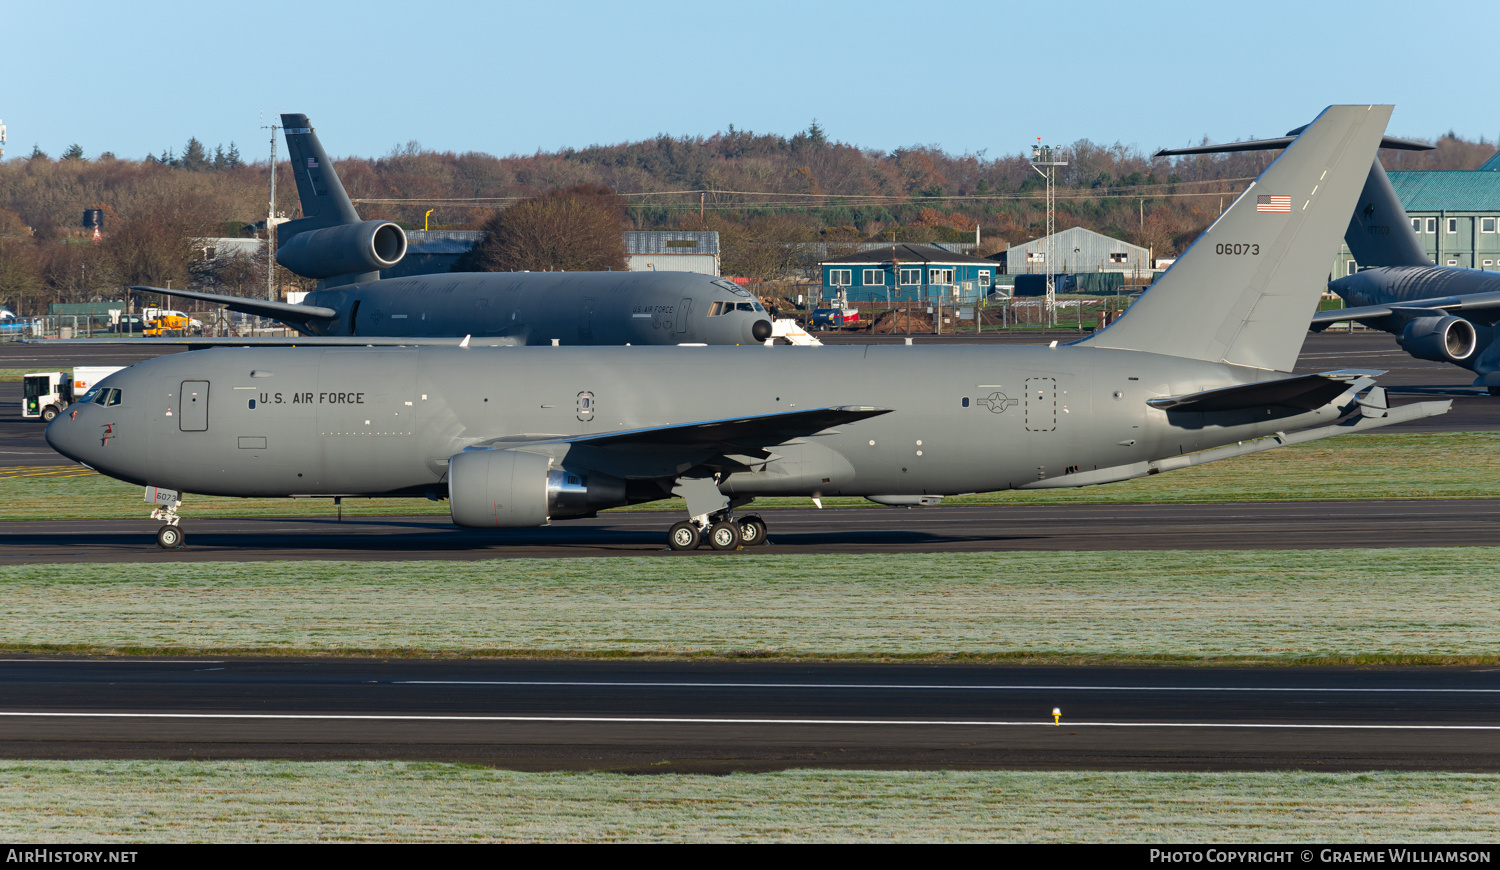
[717, 717]
[1408, 379]
[1047, 528]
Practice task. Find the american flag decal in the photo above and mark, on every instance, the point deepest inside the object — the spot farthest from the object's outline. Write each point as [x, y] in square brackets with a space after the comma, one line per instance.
[1273, 204]
[312, 163]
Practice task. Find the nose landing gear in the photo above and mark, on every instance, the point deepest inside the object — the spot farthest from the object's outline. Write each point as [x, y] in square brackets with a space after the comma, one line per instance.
[169, 536]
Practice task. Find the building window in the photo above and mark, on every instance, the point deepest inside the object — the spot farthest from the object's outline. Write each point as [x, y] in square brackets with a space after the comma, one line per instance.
[983, 277]
[1119, 258]
[911, 277]
[1352, 268]
[1453, 262]
[840, 277]
[1036, 256]
[874, 277]
[1416, 225]
[1431, 226]
[1486, 225]
[940, 276]
[1452, 225]
[1487, 264]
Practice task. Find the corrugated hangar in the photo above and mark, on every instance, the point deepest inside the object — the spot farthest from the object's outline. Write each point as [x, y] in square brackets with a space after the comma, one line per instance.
[1456, 214]
[1078, 250]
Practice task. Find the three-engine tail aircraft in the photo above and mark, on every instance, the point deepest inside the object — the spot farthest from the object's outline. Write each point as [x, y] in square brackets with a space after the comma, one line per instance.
[1197, 370]
[1438, 313]
[352, 305]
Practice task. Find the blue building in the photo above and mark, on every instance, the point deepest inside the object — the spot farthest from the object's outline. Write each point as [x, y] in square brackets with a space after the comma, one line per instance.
[907, 273]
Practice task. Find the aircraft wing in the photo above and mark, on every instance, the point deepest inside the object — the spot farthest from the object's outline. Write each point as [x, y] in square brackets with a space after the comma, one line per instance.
[1305, 392]
[760, 429]
[259, 307]
[1281, 142]
[1467, 303]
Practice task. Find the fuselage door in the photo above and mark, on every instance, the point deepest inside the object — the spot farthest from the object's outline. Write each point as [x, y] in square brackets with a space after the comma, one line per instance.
[192, 416]
[682, 315]
[1041, 404]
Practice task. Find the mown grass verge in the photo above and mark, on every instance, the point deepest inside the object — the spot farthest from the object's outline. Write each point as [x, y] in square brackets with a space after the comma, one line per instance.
[1446, 465]
[1390, 606]
[376, 801]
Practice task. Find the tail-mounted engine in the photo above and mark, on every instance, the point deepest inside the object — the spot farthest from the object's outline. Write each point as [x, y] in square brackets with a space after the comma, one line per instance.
[1439, 339]
[346, 249]
[507, 489]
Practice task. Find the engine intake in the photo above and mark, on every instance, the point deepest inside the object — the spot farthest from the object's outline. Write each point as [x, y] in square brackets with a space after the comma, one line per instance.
[508, 489]
[344, 250]
[1439, 339]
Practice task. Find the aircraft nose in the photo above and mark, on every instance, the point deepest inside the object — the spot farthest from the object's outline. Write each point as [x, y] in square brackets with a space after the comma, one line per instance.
[66, 435]
[761, 330]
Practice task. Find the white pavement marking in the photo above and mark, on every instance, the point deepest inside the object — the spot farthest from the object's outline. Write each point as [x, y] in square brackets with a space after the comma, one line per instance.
[117, 661]
[994, 688]
[665, 720]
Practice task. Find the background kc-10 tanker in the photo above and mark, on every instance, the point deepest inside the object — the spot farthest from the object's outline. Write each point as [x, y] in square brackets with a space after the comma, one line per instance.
[332, 244]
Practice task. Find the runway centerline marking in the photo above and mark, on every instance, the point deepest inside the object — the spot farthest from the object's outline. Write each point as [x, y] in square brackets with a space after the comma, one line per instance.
[932, 686]
[667, 720]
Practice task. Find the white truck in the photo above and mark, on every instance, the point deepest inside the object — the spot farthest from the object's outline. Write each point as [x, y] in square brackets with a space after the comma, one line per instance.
[46, 394]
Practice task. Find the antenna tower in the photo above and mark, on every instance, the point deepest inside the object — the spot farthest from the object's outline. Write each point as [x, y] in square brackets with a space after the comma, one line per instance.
[1045, 159]
[271, 219]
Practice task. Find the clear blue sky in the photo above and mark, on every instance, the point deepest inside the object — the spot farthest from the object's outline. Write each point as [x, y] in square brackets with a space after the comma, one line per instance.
[511, 78]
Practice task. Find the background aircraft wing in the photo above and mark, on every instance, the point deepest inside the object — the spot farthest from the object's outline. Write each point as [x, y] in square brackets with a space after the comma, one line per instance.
[1470, 304]
[259, 307]
[199, 342]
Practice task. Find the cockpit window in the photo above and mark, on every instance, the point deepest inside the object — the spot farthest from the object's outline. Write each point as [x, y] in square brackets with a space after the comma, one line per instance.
[92, 395]
[103, 397]
[745, 306]
[114, 398]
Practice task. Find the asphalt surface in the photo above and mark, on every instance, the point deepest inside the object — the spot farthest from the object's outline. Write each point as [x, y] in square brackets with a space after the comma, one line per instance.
[717, 717]
[1046, 528]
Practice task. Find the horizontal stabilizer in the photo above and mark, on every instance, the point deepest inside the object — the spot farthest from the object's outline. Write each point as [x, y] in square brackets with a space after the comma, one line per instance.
[1304, 392]
[1281, 142]
[286, 311]
[1370, 418]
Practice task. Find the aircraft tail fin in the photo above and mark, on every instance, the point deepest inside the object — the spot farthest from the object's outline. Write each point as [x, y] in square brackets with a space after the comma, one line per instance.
[1380, 233]
[1244, 291]
[324, 202]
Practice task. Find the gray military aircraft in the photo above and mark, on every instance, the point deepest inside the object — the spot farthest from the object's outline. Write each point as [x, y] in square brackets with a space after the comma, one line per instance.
[1438, 313]
[332, 244]
[1196, 371]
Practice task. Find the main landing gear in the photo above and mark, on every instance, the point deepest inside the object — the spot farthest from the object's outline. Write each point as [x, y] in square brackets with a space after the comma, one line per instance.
[719, 530]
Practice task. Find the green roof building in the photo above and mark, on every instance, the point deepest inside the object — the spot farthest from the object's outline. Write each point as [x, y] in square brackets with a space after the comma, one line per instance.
[1456, 214]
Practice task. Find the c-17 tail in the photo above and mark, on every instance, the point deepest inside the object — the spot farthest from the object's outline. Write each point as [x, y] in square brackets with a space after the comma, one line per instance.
[1379, 233]
[329, 241]
[1244, 291]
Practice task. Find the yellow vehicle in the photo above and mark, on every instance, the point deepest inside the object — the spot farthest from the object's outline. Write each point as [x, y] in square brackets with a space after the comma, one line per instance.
[167, 324]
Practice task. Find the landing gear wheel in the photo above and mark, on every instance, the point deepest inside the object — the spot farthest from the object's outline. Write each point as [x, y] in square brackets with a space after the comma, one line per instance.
[752, 531]
[49, 413]
[724, 535]
[684, 536]
[169, 537]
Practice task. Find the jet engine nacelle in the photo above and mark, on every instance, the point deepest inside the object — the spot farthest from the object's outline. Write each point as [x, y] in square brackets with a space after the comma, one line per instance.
[508, 489]
[344, 250]
[1439, 339]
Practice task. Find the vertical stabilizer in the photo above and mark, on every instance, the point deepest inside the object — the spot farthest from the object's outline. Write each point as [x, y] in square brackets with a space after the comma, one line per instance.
[1380, 233]
[1245, 291]
[324, 202]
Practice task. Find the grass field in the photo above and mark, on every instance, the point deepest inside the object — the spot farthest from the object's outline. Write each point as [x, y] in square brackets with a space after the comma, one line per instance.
[1438, 605]
[163, 801]
[1462, 465]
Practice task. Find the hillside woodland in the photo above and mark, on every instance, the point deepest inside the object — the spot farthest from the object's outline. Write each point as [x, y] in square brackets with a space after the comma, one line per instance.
[766, 194]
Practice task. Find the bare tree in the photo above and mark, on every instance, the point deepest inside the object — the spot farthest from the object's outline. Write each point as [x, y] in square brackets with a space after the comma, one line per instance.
[578, 229]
